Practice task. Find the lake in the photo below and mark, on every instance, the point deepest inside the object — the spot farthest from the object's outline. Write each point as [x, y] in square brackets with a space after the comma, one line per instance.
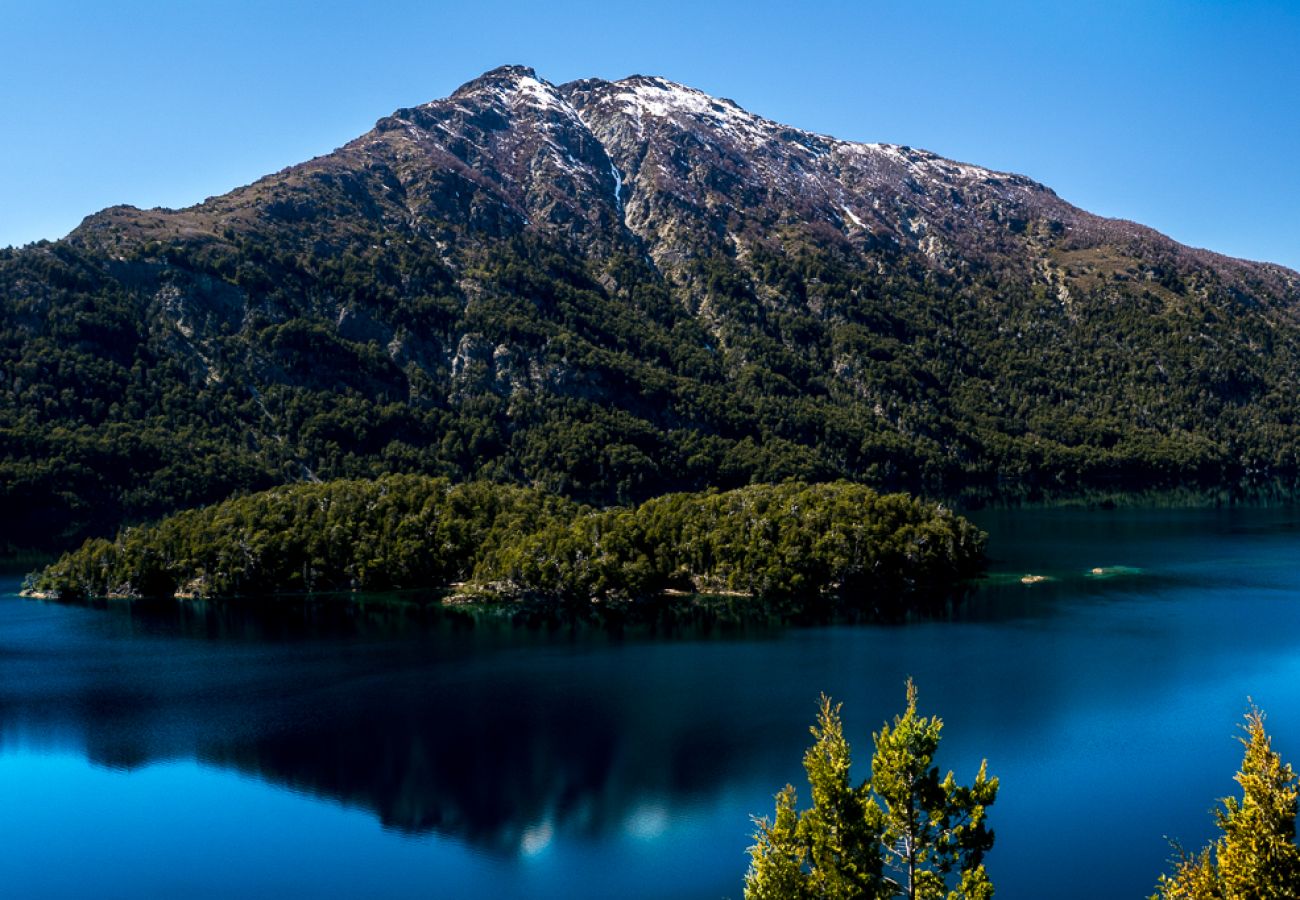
[323, 750]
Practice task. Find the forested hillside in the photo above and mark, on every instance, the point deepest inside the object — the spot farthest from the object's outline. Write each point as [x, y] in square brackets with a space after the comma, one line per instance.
[614, 290]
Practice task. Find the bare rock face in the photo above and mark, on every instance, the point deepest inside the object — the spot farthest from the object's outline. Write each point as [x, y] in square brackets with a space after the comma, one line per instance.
[504, 152]
[647, 163]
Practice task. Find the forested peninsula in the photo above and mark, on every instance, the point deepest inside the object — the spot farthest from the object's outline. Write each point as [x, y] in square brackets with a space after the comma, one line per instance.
[479, 541]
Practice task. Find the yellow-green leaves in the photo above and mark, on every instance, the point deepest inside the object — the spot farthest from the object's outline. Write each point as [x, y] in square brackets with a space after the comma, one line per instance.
[777, 859]
[902, 833]
[932, 827]
[1256, 858]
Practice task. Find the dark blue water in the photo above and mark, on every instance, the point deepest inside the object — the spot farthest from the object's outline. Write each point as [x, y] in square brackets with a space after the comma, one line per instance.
[209, 752]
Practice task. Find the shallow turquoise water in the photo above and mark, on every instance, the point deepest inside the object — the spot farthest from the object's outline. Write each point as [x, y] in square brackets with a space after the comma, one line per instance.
[212, 753]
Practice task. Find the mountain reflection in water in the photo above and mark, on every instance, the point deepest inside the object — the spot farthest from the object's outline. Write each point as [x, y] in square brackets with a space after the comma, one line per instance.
[562, 760]
[470, 726]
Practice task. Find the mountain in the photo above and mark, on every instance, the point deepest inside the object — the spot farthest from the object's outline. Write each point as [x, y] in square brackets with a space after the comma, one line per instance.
[616, 289]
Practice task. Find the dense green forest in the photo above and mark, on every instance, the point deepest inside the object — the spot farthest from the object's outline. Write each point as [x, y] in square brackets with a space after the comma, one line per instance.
[788, 542]
[109, 414]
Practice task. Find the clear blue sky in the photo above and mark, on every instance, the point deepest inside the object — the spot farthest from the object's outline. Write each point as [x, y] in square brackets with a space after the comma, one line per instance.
[1182, 115]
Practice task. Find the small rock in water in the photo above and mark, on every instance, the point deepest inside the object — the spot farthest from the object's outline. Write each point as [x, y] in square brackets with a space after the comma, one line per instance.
[1113, 571]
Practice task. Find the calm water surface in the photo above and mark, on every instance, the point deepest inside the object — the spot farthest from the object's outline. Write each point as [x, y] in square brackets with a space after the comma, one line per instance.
[213, 753]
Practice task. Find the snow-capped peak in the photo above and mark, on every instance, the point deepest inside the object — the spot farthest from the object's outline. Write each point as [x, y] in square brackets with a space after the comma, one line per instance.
[502, 77]
[514, 86]
[540, 93]
[660, 98]
[653, 97]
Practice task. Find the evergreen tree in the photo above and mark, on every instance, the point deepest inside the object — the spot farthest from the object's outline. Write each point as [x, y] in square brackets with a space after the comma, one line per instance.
[830, 850]
[932, 831]
[931, 828]
[777, 859]
[1257, 857]
[840, 830]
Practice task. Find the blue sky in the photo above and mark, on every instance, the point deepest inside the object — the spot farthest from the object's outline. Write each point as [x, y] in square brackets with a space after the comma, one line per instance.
[1180, 115]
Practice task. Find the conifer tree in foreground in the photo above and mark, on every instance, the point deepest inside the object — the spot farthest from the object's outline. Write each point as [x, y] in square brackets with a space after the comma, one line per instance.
[932, 828]
[1257, 857]
[904, 832]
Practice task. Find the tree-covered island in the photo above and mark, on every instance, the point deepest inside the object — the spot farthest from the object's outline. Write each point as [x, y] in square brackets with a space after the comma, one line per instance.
[789, 542]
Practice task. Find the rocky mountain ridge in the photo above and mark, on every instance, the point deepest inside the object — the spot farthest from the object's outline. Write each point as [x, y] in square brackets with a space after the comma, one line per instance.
[597, 152]
[617, 288]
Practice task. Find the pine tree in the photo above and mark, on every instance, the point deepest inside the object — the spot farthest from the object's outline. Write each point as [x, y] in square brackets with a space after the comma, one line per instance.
[776, 869]
[840, 830]
[931, 828]
[829, 850]
[932, 831]
[1257, 857]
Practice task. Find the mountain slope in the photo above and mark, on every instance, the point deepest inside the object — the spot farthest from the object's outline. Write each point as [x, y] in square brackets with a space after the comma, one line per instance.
[613, 289]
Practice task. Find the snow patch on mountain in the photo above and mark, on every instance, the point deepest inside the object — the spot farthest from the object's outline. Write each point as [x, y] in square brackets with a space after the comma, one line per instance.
[664, 99]
[542, 95]
[618, 186]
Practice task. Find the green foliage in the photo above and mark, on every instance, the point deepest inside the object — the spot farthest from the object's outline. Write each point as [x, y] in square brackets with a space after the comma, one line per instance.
[842, 827]
[168, 362]
[779, 857]
[829, 850]
[791, 541]
[904, 832]
[932, 828]
[1256, 858]
[399, 531]
[772, 542]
